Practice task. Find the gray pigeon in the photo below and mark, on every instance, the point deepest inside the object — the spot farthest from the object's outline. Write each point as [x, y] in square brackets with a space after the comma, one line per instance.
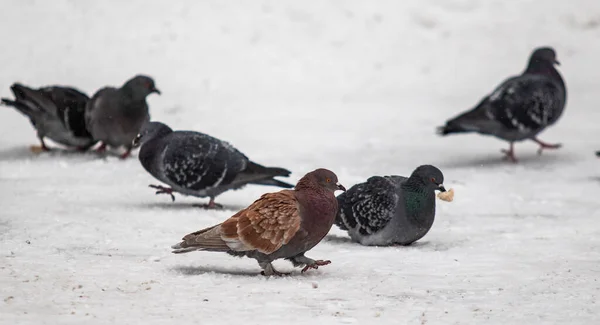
[391, 210]
[520, 108]
[56, 113]
[285, 224]
[115, 116]
[196, 164]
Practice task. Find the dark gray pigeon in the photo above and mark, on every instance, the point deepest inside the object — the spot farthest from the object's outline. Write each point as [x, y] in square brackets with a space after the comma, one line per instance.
[520, 108]
[285, 224]
[196, 164]
[115, 116]
[56, 113]
[391, 210]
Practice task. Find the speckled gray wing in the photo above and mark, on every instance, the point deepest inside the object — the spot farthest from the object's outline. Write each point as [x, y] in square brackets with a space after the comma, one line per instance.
[198, 161]
[527, 103]
[368, 207]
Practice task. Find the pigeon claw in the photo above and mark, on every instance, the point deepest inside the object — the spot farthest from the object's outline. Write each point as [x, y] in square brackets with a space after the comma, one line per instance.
[316, 265]
[275, 273]
[509, 155]
[210, 205]
[544, 145]
[163, 190]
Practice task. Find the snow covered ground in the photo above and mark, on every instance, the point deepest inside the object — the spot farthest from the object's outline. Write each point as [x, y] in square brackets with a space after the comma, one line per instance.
[354, 86]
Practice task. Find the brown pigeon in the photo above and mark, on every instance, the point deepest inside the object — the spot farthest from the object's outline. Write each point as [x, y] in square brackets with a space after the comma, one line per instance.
[283, 224]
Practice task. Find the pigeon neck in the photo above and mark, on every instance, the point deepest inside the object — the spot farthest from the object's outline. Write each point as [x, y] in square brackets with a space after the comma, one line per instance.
[542, 68]
[133, 95]
[418, 202]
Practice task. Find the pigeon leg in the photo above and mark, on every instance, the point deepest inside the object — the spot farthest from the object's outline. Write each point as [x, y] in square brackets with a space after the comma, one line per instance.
[269, 270]
[102, 148]
[544, 145]
[211, 204]
[510, 153]
[316, 265]
[308, 263]
[163, 190]
[126, 154]
[41, 148]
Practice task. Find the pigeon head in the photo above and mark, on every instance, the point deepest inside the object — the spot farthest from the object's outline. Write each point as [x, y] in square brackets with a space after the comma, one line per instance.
[323, 178]
[542, 59]
[429, 177]
[151, 130]
[140, 86]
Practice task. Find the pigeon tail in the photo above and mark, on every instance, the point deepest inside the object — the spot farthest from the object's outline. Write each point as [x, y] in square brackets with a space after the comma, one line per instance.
[21, 107]
[466, 122]
[273, 182]
[208, 239]
[254, 168]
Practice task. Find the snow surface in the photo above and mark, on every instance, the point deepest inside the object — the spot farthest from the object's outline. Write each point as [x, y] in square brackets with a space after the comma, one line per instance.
[354, 86]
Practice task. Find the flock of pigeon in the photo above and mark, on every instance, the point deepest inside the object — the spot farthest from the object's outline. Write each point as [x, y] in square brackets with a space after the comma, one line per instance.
[389, 210]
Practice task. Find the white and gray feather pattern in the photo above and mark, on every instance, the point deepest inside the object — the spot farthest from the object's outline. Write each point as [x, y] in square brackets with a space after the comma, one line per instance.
[520, 107]
[196, 164]
[390, 209]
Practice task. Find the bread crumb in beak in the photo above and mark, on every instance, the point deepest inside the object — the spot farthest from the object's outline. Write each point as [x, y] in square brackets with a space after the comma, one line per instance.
[447, 196]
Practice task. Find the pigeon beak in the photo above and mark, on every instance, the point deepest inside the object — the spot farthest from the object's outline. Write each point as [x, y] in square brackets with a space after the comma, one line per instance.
[556, 62]
[136, 142]
[155, 90]
[442, 188]
[340, 187]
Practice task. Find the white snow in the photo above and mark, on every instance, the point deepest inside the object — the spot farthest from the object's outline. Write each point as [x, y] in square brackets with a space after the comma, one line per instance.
[354, 86]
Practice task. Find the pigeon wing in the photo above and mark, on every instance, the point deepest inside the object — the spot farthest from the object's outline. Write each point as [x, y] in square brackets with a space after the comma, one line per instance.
[266, 225]
[197, 161]
[526, 103]
[368, 207]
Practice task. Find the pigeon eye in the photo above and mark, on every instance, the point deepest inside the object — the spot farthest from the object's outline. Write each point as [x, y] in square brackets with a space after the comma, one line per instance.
[433, 179]
[328, 180]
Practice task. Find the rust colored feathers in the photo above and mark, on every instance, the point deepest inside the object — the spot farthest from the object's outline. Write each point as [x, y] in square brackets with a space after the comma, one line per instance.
[267, 224]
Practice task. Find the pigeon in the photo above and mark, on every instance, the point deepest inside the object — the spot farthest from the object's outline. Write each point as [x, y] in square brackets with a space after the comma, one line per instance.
[284, 224]
[196, 164]
[520, 108]
[56, 112]
[391, 210]
[115, 116]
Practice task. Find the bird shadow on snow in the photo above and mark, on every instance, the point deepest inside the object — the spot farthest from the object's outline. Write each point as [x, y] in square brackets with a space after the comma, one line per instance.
[499, 161]
[169, 205]
[199, 270]
[25, 153]
[423, 245]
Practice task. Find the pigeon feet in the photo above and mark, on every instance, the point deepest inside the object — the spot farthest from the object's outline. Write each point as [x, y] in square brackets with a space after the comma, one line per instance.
[126, 154]
[269, 270]
[41, 148]
[316, 265]
[163, 190]
[544, 145]
[210, 205]
[102, 148]
[510, 153]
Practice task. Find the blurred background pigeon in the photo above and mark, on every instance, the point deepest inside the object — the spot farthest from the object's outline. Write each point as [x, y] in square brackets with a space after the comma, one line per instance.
[391, 209]
[115, 116]
[56, 113]
[196, 164]
[520, 108]
[285, 224]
